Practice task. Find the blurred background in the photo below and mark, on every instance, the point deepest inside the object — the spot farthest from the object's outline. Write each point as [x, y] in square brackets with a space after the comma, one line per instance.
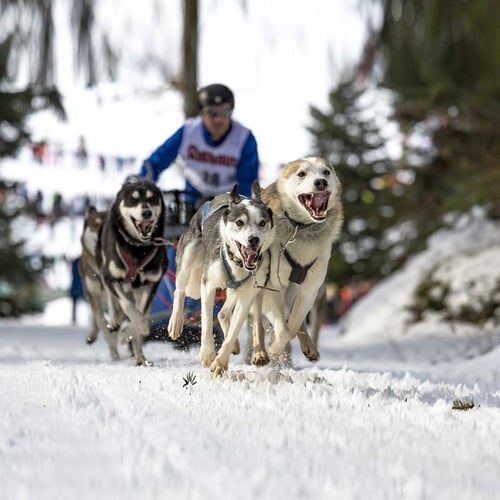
[402, 96]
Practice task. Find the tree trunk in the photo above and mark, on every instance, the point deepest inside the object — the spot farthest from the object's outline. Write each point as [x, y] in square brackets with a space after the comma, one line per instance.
[190, 57]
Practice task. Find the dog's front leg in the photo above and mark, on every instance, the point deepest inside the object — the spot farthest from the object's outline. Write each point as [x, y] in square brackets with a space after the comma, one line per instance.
[136, 312]
[276, 306]
[260, 356]
[110, 333]
[297, 323]
[225, 315]
[240, 313]
[176, 320]
[207, 348]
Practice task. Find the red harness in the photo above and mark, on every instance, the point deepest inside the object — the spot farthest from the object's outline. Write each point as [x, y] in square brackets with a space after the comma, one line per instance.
[132, 265]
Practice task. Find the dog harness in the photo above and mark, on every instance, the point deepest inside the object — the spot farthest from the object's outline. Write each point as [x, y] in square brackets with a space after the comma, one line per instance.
[298, 272]
[132, 265]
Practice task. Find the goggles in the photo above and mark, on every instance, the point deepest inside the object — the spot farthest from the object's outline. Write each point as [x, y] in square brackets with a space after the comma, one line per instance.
[217, 112]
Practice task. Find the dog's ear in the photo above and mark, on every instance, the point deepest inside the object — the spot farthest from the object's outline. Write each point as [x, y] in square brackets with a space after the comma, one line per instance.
[234, 195]
[256, 191]
[271, 216]
[91, 211]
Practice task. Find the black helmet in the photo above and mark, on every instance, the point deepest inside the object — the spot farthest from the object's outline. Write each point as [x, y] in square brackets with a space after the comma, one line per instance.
[215, 95]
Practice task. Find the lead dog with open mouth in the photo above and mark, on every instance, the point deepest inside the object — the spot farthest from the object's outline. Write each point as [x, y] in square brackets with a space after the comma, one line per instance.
[308, 216]
[226, 247]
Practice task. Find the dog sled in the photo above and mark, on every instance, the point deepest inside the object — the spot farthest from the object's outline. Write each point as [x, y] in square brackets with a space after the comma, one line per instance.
[178, 215]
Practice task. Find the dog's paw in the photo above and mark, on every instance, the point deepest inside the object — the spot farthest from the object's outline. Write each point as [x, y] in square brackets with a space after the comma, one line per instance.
[144, 362]
[207, 356]
[236, 348]
[276, 348]
[308, 348]
[91, 338]
[260, 358]
[218, 368]
[113, 328]
[174, 328]
[312, 356]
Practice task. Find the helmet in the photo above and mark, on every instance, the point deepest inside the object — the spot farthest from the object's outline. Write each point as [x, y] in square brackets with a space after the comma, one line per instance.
[215, 95]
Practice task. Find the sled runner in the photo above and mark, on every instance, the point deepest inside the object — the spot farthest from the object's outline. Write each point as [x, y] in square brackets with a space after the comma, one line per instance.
[180, 207]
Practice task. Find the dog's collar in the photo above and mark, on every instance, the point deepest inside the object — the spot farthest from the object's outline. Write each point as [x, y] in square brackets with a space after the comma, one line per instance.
[232, 280]
[157, 242]
[297, 224]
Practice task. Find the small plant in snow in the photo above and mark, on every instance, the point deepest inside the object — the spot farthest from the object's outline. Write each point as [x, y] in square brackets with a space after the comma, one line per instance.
[463, 404]
[189, 380]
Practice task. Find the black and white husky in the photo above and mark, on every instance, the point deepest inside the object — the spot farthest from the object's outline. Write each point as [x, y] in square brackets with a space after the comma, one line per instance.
[225, 247]
[131, 260]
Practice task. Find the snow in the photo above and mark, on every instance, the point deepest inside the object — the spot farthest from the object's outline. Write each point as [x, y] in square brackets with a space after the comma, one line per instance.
[372, 418]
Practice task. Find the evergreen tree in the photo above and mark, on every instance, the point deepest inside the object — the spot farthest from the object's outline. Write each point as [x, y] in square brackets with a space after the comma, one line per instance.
[440, 62]
[18, 275]
[378, 232]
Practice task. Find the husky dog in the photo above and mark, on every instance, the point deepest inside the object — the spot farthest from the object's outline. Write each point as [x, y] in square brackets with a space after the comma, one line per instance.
[131, 260]
[308, 216]
[89, 272]
[226, 246]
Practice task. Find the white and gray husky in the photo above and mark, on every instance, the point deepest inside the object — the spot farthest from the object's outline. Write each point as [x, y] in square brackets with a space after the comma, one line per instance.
[225, 247]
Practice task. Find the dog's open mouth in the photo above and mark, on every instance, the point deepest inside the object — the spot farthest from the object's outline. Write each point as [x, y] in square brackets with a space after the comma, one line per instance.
[250, 256]
[144, 227]
[316, 203]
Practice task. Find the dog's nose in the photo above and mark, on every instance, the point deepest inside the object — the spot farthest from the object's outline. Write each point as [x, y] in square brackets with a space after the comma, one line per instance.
[147, 213]
[321, 184]
[254, 241]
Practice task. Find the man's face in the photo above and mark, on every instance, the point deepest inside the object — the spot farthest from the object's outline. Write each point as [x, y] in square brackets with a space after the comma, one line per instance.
[217, 120]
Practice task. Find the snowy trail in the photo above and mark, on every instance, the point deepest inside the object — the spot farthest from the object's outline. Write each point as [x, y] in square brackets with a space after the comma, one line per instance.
[75, 425]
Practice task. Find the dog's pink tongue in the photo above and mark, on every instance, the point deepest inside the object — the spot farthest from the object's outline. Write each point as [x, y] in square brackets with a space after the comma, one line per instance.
[319, 201]
[251, 255]
[145, 226]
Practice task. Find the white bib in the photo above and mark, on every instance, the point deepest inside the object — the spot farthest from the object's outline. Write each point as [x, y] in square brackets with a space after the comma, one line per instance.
[211, 170]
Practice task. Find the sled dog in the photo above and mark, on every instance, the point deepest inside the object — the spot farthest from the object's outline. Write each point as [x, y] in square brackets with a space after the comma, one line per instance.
[131, 260]
[89, 272]
[225, 246]
[308, 215]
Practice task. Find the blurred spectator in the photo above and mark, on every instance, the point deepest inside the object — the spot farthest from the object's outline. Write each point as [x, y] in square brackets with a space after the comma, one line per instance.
[39, 150]
[57, 206]
[37, 205]
[76, 289]
[81, 152]
[101, 160]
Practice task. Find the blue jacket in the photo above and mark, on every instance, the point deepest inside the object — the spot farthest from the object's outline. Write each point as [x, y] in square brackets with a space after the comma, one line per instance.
[246, 168]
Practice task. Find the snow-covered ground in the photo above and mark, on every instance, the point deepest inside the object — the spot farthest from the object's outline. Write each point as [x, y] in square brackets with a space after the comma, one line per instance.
[373, 418]
[370, 420]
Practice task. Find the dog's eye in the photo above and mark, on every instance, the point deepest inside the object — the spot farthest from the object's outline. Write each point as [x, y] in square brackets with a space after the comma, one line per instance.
[326, 173]
[262, 223]
[301, 174]
[239, 223]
